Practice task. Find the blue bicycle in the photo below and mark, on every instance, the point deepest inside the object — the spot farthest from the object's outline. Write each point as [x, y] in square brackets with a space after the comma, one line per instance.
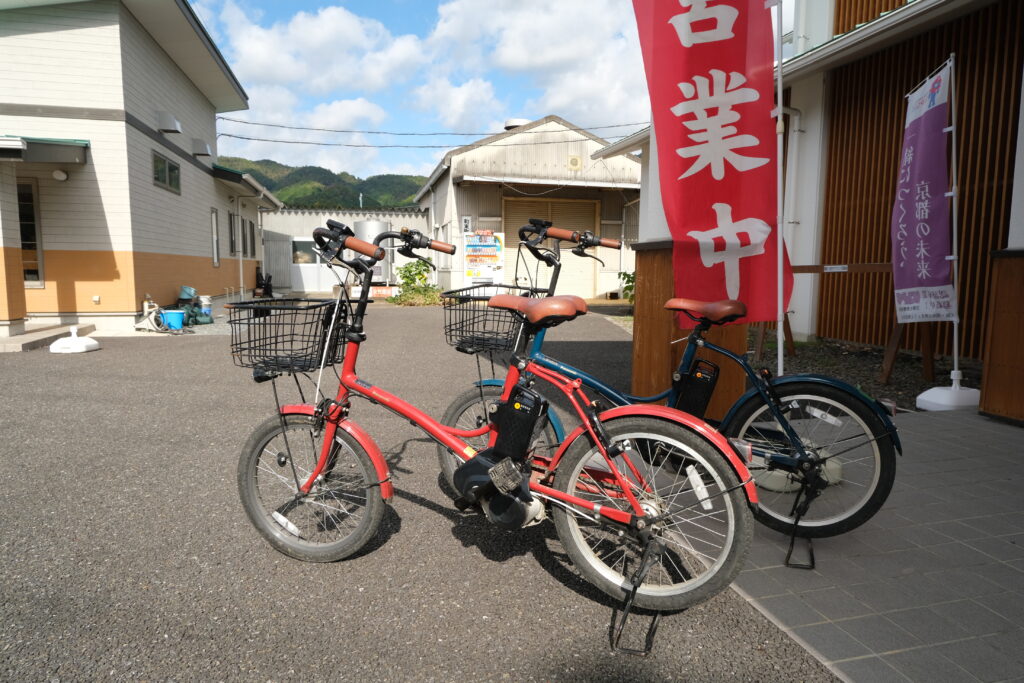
[822, 453]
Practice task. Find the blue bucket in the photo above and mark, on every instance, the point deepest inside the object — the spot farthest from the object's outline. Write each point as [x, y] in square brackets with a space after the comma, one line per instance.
[174, 320]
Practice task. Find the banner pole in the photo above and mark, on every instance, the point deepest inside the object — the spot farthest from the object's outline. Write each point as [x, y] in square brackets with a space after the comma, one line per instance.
[955, 251]
[780, 130]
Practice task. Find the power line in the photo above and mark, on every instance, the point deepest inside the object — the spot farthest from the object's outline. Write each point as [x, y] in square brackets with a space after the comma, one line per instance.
[364, 145]
[386, 132]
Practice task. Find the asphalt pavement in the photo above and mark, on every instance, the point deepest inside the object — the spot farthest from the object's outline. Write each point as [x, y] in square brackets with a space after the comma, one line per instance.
[125, 552]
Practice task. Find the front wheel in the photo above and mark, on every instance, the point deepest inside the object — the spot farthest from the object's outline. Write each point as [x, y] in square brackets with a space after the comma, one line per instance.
[336, 518]
[471, 410]
[677, 477]
[858, 459]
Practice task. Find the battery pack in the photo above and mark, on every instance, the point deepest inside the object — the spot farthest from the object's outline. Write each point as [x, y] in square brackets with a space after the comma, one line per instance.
[695, 389]
[516, 420]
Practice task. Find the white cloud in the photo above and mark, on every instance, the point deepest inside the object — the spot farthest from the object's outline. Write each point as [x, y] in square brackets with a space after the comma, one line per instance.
[583, 56]
[461, 108]
[330, 51]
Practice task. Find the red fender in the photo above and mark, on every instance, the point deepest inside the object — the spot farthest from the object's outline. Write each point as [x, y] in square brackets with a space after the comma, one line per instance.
[688, 421]
[380, 465]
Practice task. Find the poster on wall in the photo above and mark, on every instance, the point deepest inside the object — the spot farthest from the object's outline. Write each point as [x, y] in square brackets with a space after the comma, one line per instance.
[921, 271]
[484, 256]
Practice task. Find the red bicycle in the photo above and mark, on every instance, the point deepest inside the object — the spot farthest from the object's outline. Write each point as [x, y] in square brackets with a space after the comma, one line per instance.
[650, 504]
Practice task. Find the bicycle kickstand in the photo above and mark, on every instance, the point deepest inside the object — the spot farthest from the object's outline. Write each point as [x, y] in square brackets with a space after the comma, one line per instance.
[650, 556]
[810, 554]
[800, 510]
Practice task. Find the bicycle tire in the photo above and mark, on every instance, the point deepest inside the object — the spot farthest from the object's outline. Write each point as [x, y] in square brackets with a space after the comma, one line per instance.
[705, 548]
[470, 410]
[860, 473]
[339, 516]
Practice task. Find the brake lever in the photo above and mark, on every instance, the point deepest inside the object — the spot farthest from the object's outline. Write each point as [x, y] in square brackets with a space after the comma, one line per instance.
[579, 252]
[406, 250]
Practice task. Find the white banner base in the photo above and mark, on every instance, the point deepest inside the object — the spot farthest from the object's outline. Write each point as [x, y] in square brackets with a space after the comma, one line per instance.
[953, 397]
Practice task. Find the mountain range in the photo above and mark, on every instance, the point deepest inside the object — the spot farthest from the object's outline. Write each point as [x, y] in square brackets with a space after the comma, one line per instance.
[313, 187]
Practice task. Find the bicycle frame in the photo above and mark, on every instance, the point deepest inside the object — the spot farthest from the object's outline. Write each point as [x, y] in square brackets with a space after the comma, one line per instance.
[335, 414]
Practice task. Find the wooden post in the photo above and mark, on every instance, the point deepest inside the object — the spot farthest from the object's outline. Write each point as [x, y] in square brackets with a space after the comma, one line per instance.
[759, 339]
[889, 359]
[928, 351]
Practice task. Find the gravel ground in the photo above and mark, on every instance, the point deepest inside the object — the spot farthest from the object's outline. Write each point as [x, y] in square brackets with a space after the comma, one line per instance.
[125, 553]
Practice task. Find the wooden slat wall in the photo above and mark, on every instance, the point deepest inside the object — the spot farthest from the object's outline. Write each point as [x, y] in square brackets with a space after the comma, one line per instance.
[867, 110]
[849, 13]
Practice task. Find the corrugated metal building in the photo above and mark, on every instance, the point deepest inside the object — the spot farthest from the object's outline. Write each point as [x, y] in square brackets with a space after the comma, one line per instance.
[536, 169]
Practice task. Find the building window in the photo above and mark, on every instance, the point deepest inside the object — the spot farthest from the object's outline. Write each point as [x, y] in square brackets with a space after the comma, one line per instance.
[31, 248]
[215, 236]
[252, 239]
[232, 238]
[166, 173]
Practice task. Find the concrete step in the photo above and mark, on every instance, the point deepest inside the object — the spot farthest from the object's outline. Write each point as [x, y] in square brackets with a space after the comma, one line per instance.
[41, 337]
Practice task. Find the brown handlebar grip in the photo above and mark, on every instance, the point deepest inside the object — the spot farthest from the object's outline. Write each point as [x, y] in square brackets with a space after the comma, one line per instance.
[610, 243]
[364, 248]
[442, 247]
[563, 234]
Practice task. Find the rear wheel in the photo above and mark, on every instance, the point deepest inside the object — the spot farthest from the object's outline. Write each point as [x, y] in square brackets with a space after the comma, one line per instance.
[851, 440]
[336, 518]
[704, 522]
[471, 410]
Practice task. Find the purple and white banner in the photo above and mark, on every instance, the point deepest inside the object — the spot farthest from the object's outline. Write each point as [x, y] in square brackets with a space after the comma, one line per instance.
[920, 216]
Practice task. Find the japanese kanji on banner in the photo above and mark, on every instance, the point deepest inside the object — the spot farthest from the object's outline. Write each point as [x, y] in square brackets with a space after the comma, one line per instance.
[710, 74]
[920, 216]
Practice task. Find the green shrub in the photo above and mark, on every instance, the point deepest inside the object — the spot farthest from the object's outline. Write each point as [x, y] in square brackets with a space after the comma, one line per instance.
[415, 288]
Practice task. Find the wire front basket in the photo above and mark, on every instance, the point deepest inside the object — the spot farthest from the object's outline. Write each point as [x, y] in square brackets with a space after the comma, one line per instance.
[288, 335]
[470, 326]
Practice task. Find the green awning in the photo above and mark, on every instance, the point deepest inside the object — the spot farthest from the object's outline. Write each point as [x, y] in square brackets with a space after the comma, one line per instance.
[43, 150]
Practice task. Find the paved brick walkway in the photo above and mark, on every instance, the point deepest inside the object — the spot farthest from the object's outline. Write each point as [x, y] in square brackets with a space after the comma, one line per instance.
[932, 588]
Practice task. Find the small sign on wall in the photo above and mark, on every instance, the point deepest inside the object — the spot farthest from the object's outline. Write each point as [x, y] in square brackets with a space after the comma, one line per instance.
[467, 224]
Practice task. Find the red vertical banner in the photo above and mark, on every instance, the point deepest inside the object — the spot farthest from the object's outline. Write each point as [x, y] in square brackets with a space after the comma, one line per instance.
[709, 67]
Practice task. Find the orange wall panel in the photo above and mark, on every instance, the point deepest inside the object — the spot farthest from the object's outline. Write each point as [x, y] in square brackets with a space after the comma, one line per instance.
[12, 303]
[162, 275]
[72, 278]
[121, 279]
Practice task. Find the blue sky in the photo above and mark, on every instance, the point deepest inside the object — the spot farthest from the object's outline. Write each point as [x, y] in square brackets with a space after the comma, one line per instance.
[420, 66]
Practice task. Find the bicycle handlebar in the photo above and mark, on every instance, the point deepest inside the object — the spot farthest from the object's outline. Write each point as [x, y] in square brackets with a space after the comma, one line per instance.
[609, 242]
[341, 235]
[563, 234]
[418, 240]
[543, 230]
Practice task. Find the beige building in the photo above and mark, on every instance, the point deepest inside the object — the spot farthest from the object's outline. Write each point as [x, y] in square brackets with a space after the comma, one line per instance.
[108, 186]
[535, 169]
